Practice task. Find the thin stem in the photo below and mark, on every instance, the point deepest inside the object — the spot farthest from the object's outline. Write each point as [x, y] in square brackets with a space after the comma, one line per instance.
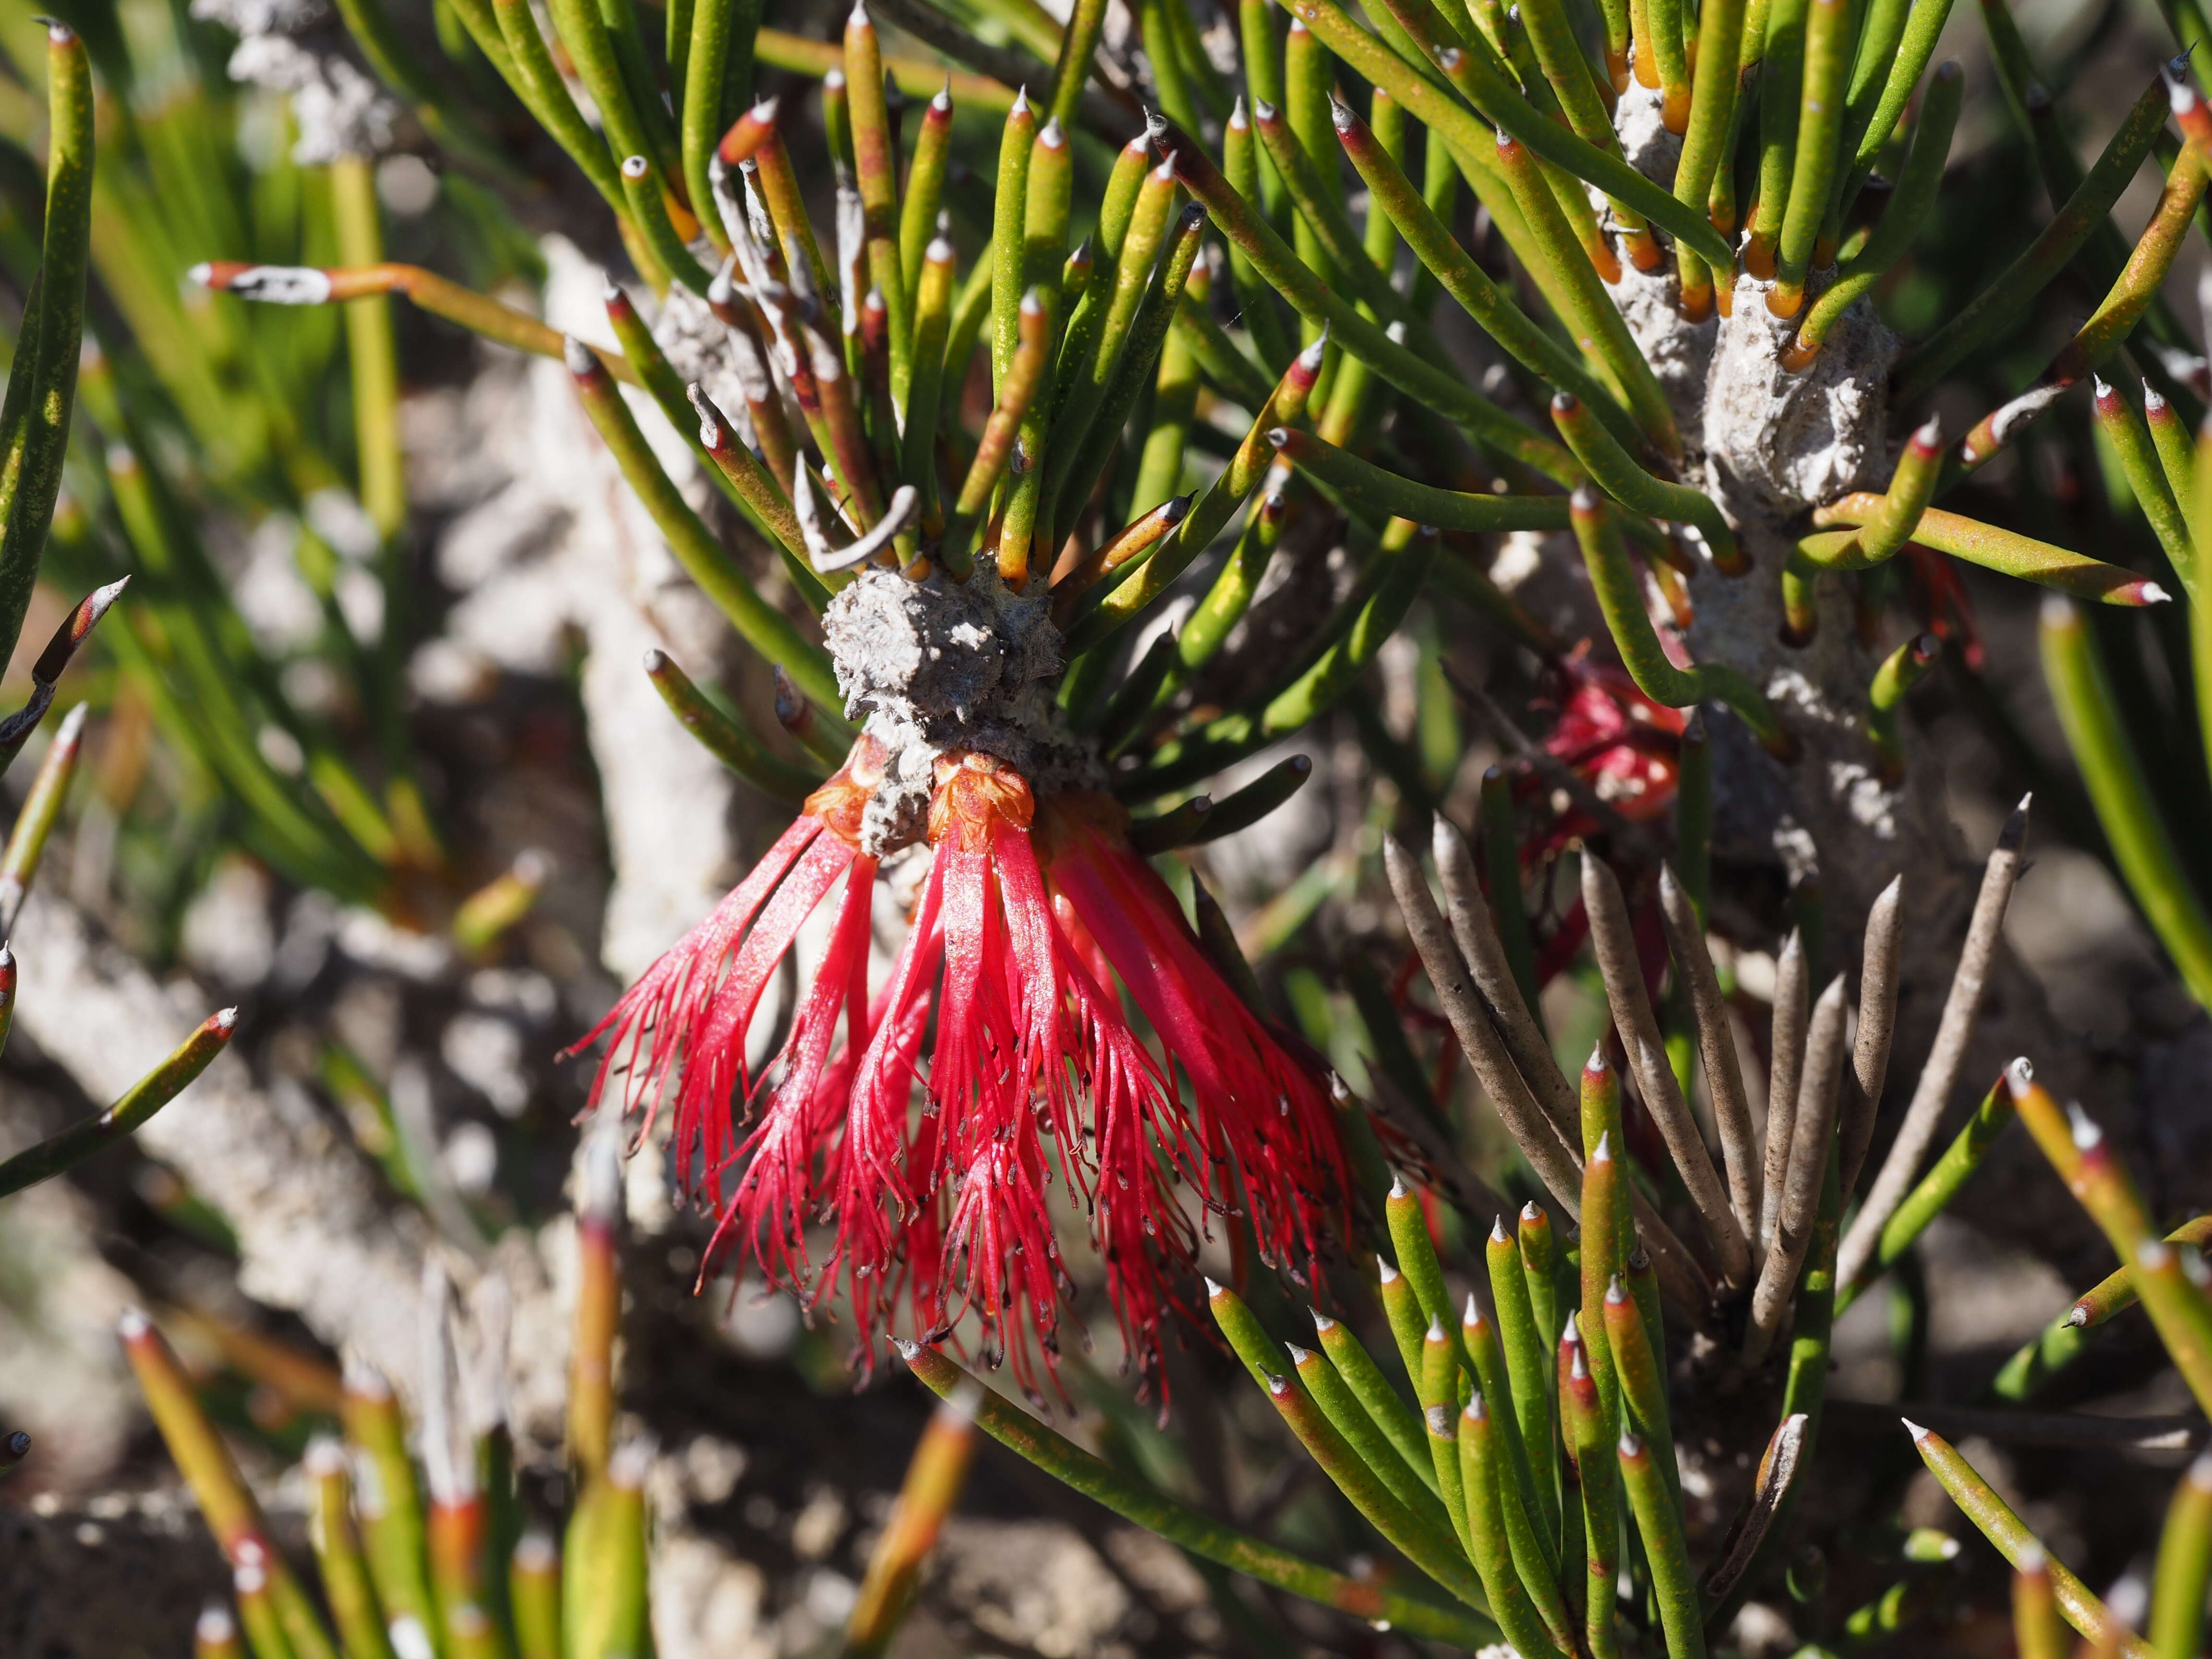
[1320, 210]
[1078, 466]
[1487, 82]
[1528, 1363]
[591, 49]
[1770, 1490]
[1904, 505]
[1819, 128]
[2115, 316]
[707, 87]
[2141, 843]
[1535, 1551]
[767, 629]
[1412, 1485]
[62, 1152]
[252, 1594]
[2184, 1565]
[1659, 1521]
[34, 433]
[1910, 205]
[1623, 477]
[2130, 441]
[917, 77]
[1426, 1541]
[2014, 287]
[372, 352]
[1024, 376]
[1537, 1245]
[1044, 239]
[1242, 808]
[479, 314]
[2114, 1293]
[726, 740]
[1251, 173]
[1440, 253]
[1879, 955]
[1072, 71]
[1793, 1006]
[875, 170]
[1017, 143]
[1600, 330]
[1638, 1365]
[934, 1477]
[1708, 132]
[1398, 1421]
[2171, 437]
[1591, 1430]
[1621, 598]
[1671, 62]
[2178, 1306]
[214, 1635]
[924, 193]
[225, 1503]
[1937, 1189]
[533, 1592]
[1388, 494]
[749, 358]
[1482, 1478]
[1133, 543]
[1978, 1502]
[41, 809]
[1348, 644]
[932, 326]
[754, 486]
[1613, 943]
[1781, 72]
[2038, 1628]
[1100, 330]
[1209, 515]
[1901, 670]
[539, 82]
[2005, 551]
[1916, 45]
[1567, 67]
[1445, 391]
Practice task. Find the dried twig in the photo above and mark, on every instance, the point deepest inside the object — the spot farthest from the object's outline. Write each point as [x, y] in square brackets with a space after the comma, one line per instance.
[1810, 1138]
[1614, 943]
[1685, 940]
[1923, 1117]
[1777, 1469]
[1550, 1157]
[1793, 1007]
[1863, 1085]
[1471, 924]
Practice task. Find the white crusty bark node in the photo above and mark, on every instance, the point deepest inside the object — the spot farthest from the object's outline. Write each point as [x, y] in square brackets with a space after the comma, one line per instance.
[937, 666]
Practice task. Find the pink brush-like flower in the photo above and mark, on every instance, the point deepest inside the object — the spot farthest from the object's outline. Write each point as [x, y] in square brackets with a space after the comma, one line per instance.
[1624, 744]
[994, 1063]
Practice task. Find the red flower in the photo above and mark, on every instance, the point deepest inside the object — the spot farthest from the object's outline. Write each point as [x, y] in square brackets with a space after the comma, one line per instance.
[1627, 747]
[1624, 745]
[1023, 938]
